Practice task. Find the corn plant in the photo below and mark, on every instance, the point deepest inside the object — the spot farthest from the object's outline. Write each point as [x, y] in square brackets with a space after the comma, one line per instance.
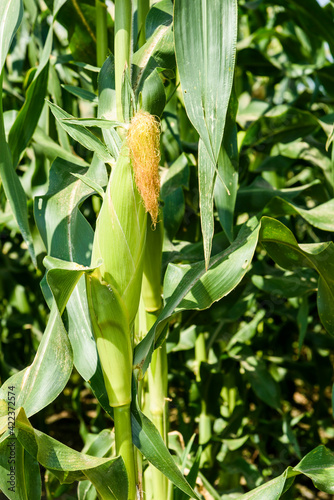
[117, 277]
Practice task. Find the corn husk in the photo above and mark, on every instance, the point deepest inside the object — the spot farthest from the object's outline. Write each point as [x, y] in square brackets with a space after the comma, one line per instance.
[120, 234]
[111, 329]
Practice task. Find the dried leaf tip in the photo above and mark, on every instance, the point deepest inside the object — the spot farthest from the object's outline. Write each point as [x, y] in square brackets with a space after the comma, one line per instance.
[144, 145]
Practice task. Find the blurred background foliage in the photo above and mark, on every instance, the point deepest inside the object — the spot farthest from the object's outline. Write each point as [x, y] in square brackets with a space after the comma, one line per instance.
[256, 369]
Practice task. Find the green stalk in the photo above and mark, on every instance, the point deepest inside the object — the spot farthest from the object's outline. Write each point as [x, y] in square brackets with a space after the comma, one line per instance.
[101, 32]
[204, 419]
[124, 446]
[2, 126]
[143, 8]
[157, 380]
[157, 384]
[158, 370]
[123, 24]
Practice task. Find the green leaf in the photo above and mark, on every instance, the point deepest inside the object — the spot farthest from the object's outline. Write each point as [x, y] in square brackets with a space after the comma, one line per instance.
[191, 287]
[157, 52]
[206, 178]
[310, 11]
[40, 383]
[228, 166]
[254, 197]
[153, 96]
[283, 248]
[25, 482]
[43, 143]
[148, 440]
[57, 6]
[205, 45]
[93, 122]
[81, 93]
[247, 331]
[28, 116]
[321, 216]
[272, 490]
[81, 134]
[262, 383]
[14, 191]
[107, 104]
[90, 183]
[46, 377]
[319, 466]
[108, 475]
[287, 285]
[10, 19]
[176, 179]
[161, 13]
[68, 236]
[281, 124]
[79, 18]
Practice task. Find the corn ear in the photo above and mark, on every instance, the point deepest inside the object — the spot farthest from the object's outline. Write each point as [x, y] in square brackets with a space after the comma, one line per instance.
[111, 329]
[120, 234]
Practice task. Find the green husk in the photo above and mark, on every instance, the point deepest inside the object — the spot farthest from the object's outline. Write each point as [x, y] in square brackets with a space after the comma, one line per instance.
[111, 329]
[120, 234]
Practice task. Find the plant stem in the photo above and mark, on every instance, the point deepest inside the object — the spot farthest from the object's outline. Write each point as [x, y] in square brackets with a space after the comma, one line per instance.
[2, 125]
[124, 446]
[157, 384]
[142, 11]
[101, 32]
[123, 23]
[205, 432]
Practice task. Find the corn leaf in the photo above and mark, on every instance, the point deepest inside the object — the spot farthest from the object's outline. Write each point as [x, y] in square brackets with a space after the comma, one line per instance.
[81, 134]
[281, 124]
[191, 287]
[68, 236]
[81, 93]
[321, 216]
[206, 179]
[254, 197]
[41, 382]
[10, 19]
[205, 45]
[283, 248]
[157, 52]
[52, 150]
[93, 122]
[227, 176]
[27, 477]
[272, 490]
[108, 475]
[319, 466]
[148, 440]
[107, 105]
[14, 191]
[28, 116]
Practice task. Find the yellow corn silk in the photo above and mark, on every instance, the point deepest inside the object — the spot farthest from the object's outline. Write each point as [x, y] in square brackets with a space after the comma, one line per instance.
[144, 144]
[113, 290]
